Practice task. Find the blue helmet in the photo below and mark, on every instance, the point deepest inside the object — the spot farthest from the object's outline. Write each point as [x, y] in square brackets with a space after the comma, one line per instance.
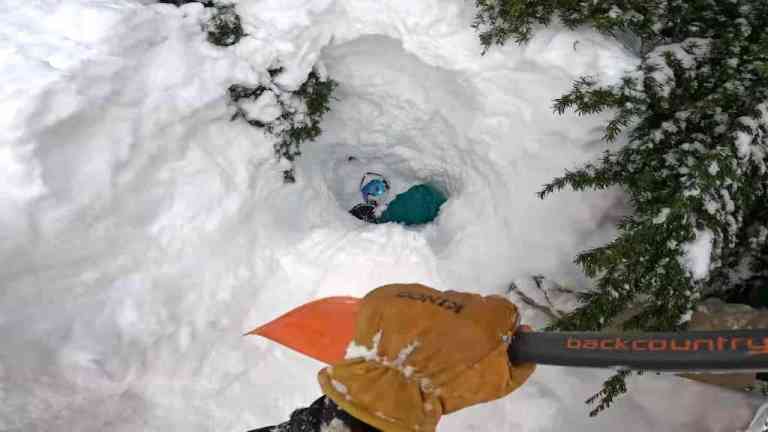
[374, 187]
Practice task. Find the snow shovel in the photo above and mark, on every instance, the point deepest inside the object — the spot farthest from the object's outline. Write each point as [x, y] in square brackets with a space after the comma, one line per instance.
[323, 329]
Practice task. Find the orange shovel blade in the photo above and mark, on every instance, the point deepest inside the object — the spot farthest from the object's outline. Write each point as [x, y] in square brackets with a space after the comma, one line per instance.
[321, 329]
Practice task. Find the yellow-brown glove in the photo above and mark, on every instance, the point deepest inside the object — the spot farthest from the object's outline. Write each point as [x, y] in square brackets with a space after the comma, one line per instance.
[419, 353]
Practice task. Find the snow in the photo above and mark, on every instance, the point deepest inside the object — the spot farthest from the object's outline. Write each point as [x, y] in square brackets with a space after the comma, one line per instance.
[360, 351]
[142, 232]
[615, 12]
[713, 168]
[399, 361]
[687, 52]
[743, 143]
[730, 206]
[662, 216]
[341, 388]
[685, 317]
[697, 254]
[265, 108]
[335, 425]
[711, 205]
[355, 351]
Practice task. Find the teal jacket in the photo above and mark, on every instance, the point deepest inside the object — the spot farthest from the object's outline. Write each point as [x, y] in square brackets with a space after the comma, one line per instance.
[418, 205]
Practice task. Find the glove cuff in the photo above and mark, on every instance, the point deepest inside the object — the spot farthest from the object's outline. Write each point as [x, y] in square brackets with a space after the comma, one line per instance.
[414, 409]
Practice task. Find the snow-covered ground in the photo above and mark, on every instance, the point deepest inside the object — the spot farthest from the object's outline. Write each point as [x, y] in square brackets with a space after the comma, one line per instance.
[142, 232]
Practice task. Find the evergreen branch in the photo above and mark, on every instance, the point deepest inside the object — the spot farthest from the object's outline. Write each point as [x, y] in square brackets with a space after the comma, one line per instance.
[300, 113]
[614, 387]
[695, 162]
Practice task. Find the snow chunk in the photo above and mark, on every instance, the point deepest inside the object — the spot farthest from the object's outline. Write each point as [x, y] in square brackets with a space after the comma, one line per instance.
[669, 127]
[687, 52]
[371, 354]
[408, 371]
[404, 353]
[402, 356]
[762, 235]
[265, 108]
[662, 216]
[693, 191]
[657, 135]
[335, 425]
[713, 168]
[685, 317]
[697, 255]
[341, 388]
[743, 142]
[359, 351]
[711, 206]
[730, 207]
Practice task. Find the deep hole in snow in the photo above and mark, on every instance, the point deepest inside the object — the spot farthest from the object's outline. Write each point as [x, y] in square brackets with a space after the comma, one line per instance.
[412, 136]
[485, 139]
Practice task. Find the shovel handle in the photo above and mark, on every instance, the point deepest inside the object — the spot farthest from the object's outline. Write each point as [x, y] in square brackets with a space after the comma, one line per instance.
[684, 351]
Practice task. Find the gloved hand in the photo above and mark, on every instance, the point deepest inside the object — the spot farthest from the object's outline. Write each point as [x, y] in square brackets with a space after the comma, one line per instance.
[419, 353]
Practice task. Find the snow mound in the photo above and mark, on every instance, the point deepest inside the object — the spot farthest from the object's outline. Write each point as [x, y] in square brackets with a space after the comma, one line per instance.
[142, 232]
